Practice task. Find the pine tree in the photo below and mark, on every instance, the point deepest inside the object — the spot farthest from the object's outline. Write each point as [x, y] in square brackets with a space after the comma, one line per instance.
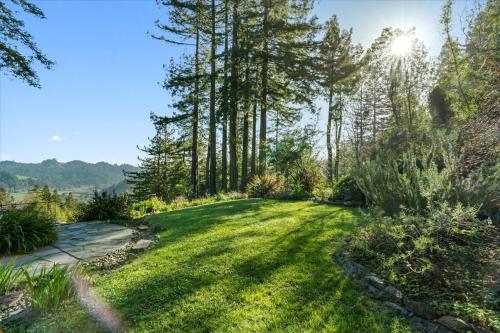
[69, 202]
[212, 142]
[186, 23]
[45, 195]
[162, 170]
[225, 98]
[234, 97]
[338, 63]
[5, 198]
[55, 198]
[37, 196]
[285, 37]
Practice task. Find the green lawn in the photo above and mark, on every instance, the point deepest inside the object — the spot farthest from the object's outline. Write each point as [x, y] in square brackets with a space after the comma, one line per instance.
[246, 266]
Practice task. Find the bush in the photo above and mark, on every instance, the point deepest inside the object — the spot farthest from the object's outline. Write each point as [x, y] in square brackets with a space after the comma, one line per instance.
[447, 257]
[105, 207]
[481, 188]
[231, 196]
[148, 206]
[264, 186]
[48, 288]
[346, 189]
[323, 191]
[25, 230]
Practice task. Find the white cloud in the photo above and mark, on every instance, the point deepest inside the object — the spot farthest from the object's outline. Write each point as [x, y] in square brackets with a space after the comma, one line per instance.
[78, 133]
[56, 138]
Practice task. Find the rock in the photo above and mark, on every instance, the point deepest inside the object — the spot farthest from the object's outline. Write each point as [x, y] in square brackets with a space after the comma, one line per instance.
[420, 309]
[158, 228]
[375, 293]
[402, 311]
[455, 324]
[353, 269]
[10, 300]
[141, 246]
[393, 294]
[425, 325]
[142, 227]
[374, 281]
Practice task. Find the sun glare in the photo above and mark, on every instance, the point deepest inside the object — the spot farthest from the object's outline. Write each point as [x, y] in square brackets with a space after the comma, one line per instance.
[401, 45]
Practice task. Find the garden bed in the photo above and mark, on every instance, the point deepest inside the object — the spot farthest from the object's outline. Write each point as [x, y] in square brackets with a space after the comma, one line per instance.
[422, 314]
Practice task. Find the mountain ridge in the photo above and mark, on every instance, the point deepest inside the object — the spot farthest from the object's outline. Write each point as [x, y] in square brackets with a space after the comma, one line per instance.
[19, 176]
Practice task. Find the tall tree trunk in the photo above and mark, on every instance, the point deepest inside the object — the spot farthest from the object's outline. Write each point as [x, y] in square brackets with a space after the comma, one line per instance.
[263, 102]
[225, 98]
[338, 136]
[233, 116]
[244, 152]
[212, 129]
[254, 137]
[276, 136]
[194, 143]
[207, 169]
[329, 160]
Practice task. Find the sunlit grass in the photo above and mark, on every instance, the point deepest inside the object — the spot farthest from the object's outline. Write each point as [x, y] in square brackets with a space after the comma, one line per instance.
[246, 266]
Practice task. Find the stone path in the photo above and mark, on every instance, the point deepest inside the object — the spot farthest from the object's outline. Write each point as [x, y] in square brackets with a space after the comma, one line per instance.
[77, 242]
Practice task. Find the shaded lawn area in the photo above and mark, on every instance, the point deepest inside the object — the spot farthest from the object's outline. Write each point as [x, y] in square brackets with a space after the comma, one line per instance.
[246, 266]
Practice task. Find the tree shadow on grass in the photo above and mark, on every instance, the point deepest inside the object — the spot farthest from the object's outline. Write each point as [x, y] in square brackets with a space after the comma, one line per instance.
[212, 288]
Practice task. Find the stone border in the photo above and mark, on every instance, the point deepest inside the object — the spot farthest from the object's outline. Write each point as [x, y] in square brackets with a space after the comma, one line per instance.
[423, 315]
[143, 240]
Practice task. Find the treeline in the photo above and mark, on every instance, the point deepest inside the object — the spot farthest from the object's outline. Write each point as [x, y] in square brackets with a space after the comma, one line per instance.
[252, 70]
[61, 208]
[18, 177]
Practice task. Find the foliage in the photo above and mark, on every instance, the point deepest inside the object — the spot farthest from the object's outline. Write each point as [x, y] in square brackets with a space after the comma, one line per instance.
[162, 172]
[71, 317]
[8, 277]
[5, 197]
[47, 288]
[231, 196]
[148, 206]
[104, 206]
[15, 38]
[296, 162]
[392, 184]
[323, 191]
[346, 189]
[481, 189]
[446, 258]
[413, 180]
[263, 186]
[25, 230]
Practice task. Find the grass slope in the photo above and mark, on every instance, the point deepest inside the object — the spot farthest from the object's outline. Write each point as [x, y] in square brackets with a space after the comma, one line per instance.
[246, 266]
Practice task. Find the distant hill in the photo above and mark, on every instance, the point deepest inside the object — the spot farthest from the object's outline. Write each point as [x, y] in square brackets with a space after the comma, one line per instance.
[18, 177]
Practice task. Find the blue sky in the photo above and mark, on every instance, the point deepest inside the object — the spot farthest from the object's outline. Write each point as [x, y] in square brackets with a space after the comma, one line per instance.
[95, 104]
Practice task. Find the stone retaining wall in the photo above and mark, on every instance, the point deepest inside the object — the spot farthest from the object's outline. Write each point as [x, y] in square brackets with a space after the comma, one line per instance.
[423, 315]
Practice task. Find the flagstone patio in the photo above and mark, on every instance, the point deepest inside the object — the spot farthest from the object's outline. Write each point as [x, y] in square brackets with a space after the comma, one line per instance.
[77, 242]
